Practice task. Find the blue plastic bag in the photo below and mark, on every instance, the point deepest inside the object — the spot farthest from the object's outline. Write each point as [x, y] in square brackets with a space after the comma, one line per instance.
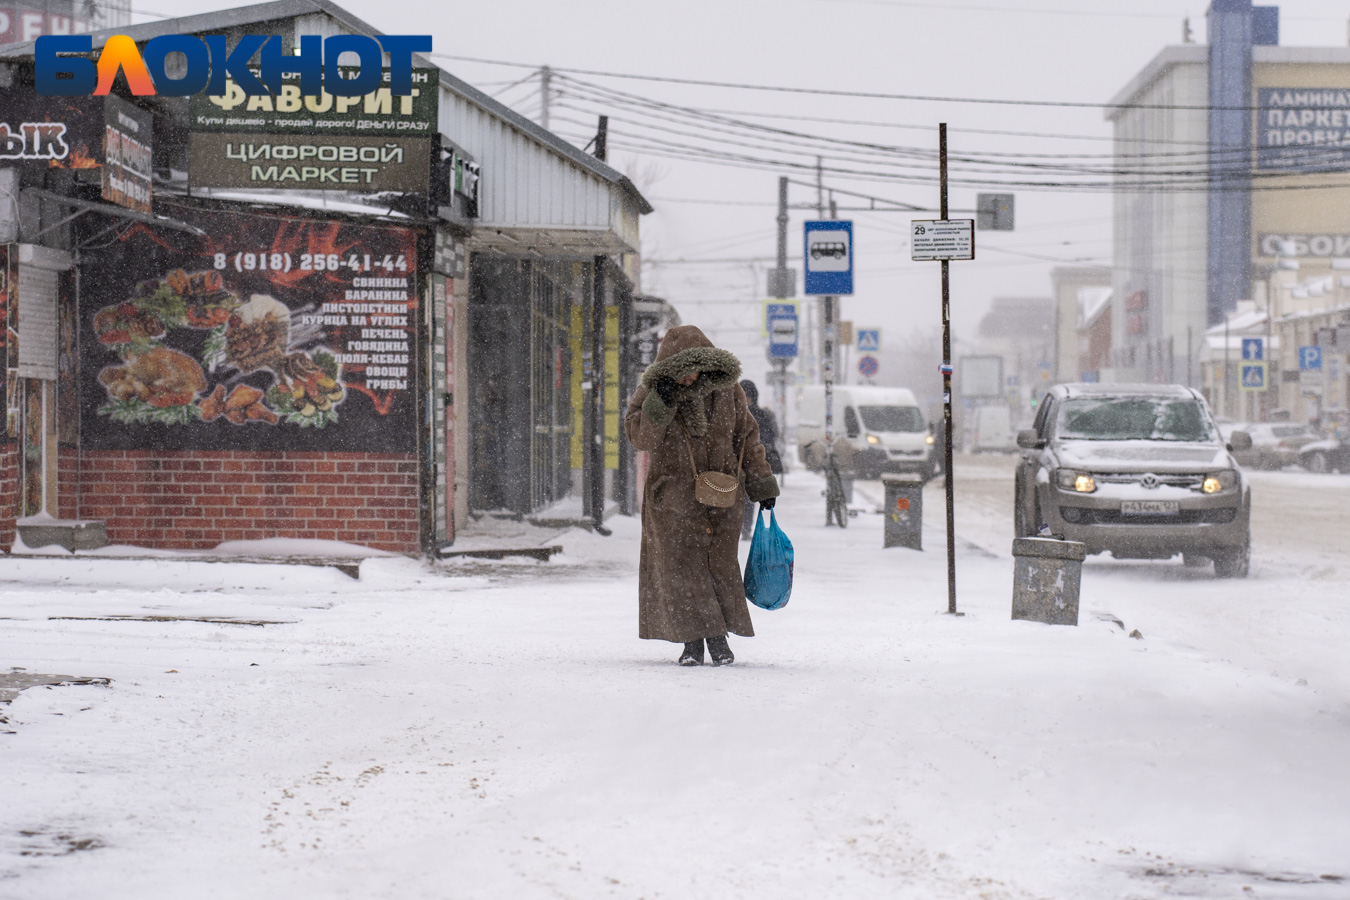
[768, 571]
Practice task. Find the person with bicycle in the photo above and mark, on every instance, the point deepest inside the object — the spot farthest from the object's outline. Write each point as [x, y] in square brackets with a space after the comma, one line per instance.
[693, 418]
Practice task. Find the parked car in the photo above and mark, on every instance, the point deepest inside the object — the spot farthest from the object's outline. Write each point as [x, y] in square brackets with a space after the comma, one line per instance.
[1274, 444]
[876, 429]
[1329, 455]
[1139, 470]
[1228, 426]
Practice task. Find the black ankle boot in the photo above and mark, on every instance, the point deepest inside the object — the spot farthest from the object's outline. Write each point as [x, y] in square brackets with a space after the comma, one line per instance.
[693, 653]
[720, 651]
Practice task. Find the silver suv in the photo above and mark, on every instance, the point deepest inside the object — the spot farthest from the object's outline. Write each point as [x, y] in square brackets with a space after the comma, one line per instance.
[1136, 469]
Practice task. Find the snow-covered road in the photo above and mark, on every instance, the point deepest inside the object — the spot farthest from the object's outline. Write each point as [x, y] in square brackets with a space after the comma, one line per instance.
[489, 731]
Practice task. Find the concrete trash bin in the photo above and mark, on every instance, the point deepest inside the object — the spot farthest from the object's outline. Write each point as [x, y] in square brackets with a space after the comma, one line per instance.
[904, 511]
[1046, 576]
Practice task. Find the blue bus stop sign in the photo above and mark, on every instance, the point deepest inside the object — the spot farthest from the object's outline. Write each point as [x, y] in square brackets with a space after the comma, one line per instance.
[783, 337]
[828, 258]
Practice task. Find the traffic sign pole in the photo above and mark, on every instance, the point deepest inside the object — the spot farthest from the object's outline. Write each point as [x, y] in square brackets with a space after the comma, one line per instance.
[947, 382]
[781, 292]
[828, 273]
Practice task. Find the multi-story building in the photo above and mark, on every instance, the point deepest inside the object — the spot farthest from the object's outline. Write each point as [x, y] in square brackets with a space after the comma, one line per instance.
[1235, 166]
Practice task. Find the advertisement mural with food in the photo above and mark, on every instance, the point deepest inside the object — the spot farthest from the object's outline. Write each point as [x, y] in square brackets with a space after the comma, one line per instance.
[263, 333]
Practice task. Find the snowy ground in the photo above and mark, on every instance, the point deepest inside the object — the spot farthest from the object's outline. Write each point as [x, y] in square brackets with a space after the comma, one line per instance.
[496, 731]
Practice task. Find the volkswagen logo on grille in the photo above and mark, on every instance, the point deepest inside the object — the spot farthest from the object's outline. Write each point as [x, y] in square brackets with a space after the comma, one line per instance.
[1149, 481]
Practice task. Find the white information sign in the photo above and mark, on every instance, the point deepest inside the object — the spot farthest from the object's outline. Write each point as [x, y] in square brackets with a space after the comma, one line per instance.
[942, 239]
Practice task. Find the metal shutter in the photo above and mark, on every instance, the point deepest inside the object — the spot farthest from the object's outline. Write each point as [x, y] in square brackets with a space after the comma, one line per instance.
[37, 322]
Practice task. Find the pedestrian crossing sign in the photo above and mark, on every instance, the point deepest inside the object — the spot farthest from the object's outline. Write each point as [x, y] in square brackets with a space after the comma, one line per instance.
[869, 340]
[1253, 376]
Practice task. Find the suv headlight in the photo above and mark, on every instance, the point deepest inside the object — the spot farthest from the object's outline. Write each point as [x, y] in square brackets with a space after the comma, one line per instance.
[873, 439]
[1219, 481]
[1075, 480]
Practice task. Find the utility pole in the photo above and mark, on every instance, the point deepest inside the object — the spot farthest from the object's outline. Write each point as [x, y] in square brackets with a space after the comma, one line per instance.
[836, 313]
[947, 381]
[545, 94]
[602, 139]
[596, 404]
[827, 326]
[781, 292]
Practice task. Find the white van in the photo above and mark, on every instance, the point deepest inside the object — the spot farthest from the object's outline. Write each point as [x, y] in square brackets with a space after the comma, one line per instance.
[992, 430]
[876, 429]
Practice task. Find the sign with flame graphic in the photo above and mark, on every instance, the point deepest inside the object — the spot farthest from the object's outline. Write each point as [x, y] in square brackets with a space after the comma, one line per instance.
[267, 333]
[51, 132]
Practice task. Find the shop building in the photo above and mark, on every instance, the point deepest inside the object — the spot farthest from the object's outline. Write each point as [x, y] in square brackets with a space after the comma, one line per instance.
[1238, 160]
[212, 335]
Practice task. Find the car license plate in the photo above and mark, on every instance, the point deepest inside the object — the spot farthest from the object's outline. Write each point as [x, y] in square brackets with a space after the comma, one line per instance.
[1150, 507]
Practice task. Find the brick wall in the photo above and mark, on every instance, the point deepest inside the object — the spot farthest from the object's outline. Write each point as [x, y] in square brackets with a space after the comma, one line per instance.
[9, 493]
[67, 482]
[193, 500]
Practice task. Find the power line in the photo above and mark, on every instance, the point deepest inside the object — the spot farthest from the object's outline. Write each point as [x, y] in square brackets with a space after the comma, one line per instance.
[672, 113]
[686, 152]
[902, 4]
[832, 92]
[529, 77]
[908, 4]
[981, 131]
[706, 202]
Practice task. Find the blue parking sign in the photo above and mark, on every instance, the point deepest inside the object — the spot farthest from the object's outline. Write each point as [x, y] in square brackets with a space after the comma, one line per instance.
[1253, 349]
[1309, 358]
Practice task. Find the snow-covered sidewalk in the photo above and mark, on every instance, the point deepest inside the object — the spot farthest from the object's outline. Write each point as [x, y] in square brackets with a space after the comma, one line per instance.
[496, 730]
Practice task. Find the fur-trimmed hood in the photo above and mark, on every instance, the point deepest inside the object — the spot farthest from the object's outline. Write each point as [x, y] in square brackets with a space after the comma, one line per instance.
[686, 349]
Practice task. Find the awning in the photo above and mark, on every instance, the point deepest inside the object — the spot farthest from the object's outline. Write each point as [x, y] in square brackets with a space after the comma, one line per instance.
[107, 209]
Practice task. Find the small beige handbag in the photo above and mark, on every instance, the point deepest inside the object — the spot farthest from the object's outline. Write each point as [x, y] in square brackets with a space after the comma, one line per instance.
[713, 488]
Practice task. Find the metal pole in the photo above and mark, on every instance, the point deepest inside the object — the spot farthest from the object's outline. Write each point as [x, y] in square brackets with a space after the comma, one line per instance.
[781, 293]
[545, 93]
[1266, 402]
[597, 398]
[827, 326]
[602, 139]
[947, 381]
[1227, 361]
[837, 304]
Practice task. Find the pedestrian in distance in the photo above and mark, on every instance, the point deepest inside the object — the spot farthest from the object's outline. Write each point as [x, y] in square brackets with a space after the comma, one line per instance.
[693, 418]
[768, 436]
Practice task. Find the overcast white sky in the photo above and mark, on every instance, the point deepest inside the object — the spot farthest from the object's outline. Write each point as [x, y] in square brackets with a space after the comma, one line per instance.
[1052, 50]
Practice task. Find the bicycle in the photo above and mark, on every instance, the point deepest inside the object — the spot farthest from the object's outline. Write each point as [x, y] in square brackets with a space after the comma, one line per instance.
[836, 503]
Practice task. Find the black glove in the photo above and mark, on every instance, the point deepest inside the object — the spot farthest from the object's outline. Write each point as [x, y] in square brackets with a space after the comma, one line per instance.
[665, 389]
[767, 504]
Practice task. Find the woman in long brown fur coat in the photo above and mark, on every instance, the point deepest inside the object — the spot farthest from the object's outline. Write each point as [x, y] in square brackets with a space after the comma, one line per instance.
[689, 582]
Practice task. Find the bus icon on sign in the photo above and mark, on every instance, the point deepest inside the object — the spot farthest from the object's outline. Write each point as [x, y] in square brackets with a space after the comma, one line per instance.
[837, 251]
